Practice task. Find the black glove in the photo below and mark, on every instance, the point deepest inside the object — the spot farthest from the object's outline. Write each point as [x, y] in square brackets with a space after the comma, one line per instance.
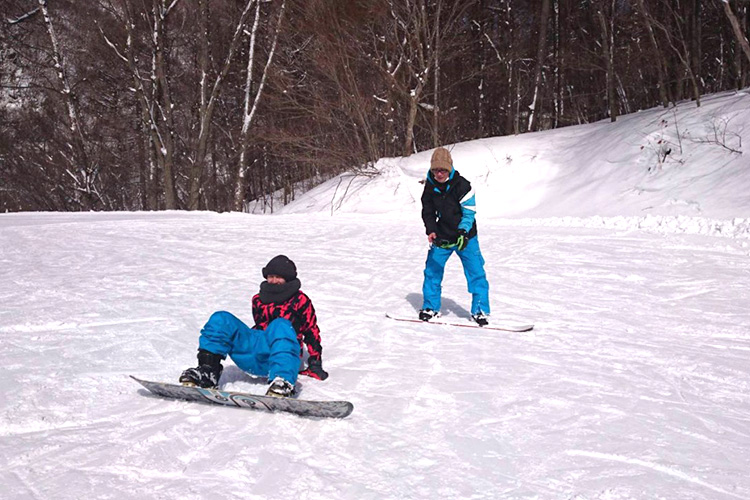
[462, 240]
[315, 369]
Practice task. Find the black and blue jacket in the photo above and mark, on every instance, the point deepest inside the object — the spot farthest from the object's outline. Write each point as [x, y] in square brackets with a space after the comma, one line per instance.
[448, 207]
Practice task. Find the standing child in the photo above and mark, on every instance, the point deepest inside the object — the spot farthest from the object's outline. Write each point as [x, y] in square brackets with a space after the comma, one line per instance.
[448, 212]
[285, 322]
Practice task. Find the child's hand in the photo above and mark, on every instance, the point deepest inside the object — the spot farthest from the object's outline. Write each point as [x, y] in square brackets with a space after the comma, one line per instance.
[315, 369]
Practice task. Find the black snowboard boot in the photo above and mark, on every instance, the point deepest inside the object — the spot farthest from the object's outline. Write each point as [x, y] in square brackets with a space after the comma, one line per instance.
[207, 373]
[428, 314]
[481, 319]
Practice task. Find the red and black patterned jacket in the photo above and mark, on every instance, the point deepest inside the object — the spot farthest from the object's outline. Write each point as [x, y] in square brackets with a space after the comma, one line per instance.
[300, 312]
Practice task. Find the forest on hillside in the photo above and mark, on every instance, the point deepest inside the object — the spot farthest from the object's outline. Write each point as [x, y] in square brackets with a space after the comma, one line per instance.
[214, 104]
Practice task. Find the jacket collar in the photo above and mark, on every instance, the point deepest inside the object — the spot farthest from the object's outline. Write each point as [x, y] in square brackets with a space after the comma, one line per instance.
[445, 186]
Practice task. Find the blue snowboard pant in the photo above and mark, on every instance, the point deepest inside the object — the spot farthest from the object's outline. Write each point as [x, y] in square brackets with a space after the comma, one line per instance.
[476, 279]
[273, 352]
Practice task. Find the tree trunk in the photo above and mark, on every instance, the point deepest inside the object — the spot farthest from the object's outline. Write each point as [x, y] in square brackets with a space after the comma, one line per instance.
[559, 64]
[203, 114]
[661, 63]
[511, 90]
[436, 88]
[249, 113]
[206, 114]
[737, 29]
[80, 170]
[745, 19]
[695, 37]
[411, 119]
[536, 104]
[608, 48]
[163, 101]
[680, 45]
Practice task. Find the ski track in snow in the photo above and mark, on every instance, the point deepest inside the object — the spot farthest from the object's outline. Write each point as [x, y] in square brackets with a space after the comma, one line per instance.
[650, 465]
[634, 383]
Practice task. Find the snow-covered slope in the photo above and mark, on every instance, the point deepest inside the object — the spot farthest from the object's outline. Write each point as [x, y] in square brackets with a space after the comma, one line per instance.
[602, 169]
[635, 383]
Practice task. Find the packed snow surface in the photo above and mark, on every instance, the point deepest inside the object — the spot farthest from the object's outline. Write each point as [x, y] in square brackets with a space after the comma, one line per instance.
[634, 383]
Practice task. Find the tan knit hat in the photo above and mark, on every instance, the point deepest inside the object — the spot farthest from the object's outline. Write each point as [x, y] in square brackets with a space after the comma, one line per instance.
[441, 159]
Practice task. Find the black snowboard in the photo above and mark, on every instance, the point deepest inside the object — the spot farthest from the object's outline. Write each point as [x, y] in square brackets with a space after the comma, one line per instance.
[327, 409]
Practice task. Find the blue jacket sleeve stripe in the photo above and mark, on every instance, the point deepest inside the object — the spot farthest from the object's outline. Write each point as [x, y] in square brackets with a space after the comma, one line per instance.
[468, 211]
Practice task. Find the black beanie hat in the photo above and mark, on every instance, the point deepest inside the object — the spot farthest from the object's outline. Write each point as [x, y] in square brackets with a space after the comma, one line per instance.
[281, 265]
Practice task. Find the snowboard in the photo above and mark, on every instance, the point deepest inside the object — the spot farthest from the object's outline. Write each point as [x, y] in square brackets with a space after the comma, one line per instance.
[301, 407]
[467, 324]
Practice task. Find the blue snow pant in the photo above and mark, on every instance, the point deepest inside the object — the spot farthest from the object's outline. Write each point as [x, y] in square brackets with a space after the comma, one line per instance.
[273, 352]
[476, 279]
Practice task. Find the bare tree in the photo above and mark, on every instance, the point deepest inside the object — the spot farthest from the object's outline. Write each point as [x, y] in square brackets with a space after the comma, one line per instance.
[541, 52]
[659, 61]
[679, 42]
[157, 110]
[208, 100]
[80, 170]
[608, 47]
[202, 107]
[736, 28]
[251, 103]
[409, 44]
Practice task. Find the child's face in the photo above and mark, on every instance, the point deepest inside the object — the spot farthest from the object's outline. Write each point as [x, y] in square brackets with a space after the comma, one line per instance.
[440, 174]
[275, 280]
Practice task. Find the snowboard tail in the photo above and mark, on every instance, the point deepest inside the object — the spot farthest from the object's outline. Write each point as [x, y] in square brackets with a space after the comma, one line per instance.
[441, 321]
[301, 407]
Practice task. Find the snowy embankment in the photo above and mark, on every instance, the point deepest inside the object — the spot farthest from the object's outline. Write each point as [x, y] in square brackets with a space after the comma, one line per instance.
[604, 174]
[679, 224]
